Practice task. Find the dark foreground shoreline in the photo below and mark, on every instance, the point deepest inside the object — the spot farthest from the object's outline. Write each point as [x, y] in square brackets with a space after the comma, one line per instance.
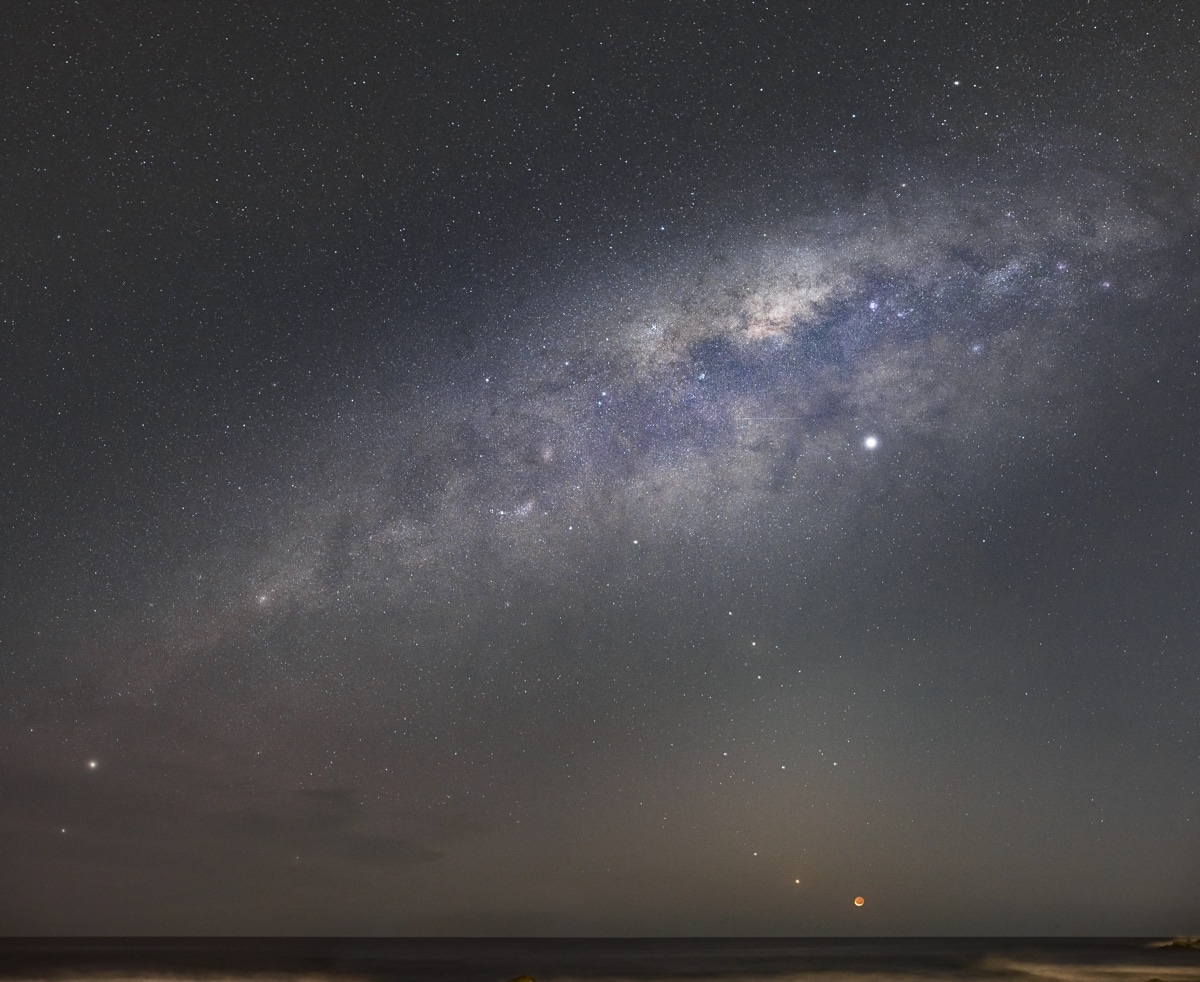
[638, 960]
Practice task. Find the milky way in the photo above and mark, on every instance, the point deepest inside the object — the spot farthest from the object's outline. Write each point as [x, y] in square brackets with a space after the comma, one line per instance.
[729, 395]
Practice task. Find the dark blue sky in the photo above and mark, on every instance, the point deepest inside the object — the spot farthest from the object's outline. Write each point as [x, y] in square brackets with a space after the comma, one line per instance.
[633, 468]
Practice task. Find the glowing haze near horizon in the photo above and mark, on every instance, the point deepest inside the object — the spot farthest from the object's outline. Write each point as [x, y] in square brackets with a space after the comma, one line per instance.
[646, 469]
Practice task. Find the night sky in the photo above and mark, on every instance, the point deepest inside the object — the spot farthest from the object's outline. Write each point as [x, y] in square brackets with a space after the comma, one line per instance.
[600, 468]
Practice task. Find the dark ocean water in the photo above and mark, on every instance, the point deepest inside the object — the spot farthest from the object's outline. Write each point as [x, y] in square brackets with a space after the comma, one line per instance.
[547, 960]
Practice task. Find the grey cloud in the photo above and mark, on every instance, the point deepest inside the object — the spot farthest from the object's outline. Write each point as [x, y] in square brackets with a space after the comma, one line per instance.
[123, 819]
[319, 823]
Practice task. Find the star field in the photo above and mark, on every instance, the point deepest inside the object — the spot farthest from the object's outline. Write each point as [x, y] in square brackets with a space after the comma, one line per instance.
[636, 469]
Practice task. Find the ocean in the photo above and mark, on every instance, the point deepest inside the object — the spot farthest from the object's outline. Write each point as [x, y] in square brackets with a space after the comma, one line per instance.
[558, 960]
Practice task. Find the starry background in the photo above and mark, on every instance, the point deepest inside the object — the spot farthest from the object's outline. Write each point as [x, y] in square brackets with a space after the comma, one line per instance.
[623, 468]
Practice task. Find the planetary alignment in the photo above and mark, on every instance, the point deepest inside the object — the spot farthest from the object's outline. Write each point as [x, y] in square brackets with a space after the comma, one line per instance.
[643, 469]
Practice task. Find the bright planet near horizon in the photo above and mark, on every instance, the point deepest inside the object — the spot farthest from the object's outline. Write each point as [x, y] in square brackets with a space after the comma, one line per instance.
[859, 901]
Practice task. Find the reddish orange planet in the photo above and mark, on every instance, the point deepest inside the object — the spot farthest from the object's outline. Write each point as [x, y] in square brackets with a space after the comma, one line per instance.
[858, 901]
